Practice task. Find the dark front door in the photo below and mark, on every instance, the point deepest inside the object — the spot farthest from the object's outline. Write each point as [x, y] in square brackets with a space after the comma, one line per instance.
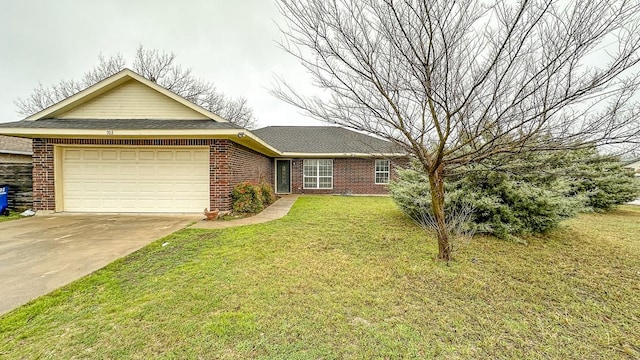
[283, 176]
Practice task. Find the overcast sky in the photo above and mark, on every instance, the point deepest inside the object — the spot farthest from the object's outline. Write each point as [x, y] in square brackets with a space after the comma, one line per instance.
[230, 43]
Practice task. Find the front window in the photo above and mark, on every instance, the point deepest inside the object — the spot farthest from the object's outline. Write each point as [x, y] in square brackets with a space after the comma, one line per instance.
[382, 171]
[318, 174]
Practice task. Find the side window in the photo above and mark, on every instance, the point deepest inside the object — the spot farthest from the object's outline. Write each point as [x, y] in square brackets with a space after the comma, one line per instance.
[382, 171]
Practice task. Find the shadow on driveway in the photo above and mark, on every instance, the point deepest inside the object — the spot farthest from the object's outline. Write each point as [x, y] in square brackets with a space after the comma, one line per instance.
[42, 253]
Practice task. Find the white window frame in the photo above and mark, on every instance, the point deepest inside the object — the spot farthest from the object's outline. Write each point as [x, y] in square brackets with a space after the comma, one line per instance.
[387, 172]
[317, 176]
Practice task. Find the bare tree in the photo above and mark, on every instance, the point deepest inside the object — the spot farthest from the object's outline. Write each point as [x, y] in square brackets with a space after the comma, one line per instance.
[456, 82]
[43, 97]
[157, 66]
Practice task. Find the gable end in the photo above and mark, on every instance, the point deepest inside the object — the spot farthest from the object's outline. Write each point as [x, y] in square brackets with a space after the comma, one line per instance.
[132, 100]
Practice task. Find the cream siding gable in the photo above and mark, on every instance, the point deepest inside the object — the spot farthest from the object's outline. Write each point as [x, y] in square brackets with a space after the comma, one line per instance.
[132, 100]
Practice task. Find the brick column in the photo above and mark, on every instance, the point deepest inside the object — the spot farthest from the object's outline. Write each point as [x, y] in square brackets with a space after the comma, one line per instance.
[44, 197]
[220, 175]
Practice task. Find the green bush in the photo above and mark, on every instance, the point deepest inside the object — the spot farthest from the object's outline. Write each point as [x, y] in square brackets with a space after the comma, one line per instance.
[268, 196]
[500, 204]
[528, 194]
[602, 181]
[247, 198]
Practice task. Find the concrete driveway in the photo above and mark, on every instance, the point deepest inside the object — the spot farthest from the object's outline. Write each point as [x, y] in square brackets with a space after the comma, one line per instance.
[42, 253]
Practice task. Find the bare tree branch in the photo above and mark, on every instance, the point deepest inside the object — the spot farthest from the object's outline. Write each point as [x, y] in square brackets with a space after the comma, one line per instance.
[461, 81]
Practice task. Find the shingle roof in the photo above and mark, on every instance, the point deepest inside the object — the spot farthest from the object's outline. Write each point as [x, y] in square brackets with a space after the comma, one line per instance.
[322, 140]
[119, 124]
[15, 145]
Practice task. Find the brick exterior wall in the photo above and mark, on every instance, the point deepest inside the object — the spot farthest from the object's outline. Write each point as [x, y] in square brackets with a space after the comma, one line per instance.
[220, 180]
[249, 165]
[43, 176]
[229, 163]
[350, 176]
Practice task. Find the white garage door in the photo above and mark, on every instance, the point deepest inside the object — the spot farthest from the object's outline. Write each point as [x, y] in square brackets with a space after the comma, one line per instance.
[135, 179]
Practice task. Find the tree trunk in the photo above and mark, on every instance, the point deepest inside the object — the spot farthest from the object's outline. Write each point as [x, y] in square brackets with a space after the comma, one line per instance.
[436, 182]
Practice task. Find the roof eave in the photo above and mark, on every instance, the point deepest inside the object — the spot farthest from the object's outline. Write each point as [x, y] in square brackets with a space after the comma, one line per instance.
[240, 136]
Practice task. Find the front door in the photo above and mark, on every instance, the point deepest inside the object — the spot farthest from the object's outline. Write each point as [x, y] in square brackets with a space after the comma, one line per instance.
[283, 176]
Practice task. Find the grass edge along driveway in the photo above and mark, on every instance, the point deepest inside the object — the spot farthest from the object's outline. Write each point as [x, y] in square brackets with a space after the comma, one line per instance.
[348, 277]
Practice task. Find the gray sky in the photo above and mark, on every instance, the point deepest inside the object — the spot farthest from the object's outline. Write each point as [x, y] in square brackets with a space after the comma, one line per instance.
[230, 43]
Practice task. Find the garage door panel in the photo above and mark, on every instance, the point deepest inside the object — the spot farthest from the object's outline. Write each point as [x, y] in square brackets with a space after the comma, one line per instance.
[165, 155]
[201, 156]
[146, 155]
[169, 170]
[109, 155]
[128, 187]
[128, 155]
[91, 187]
[184, 155]
[135, 180]
[91, 154]
[72, 155]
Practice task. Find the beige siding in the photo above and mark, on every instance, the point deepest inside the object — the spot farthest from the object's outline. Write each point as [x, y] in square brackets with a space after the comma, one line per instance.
[132, 100]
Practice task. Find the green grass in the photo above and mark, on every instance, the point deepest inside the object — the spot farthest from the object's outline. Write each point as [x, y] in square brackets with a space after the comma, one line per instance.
[12, 216]
[349, 277]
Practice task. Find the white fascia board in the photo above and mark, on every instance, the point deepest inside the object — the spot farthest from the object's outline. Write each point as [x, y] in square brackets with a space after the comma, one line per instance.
[240, 136]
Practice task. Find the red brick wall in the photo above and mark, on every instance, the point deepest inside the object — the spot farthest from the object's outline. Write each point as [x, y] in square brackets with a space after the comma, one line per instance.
[249, 165]
[239, 164]
[220, 180]
[225, 166]
[350, 176]
[43, 176]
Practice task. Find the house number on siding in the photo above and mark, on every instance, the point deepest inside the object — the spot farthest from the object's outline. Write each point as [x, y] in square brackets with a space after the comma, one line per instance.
[109, 132]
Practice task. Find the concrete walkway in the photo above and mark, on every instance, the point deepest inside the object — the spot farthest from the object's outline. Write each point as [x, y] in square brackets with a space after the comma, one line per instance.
[275, 211]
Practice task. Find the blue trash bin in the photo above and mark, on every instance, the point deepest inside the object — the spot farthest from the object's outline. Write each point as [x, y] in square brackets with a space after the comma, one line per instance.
[4, 200]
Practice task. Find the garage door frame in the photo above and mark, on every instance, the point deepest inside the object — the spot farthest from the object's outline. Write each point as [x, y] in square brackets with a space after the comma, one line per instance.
[58, 165]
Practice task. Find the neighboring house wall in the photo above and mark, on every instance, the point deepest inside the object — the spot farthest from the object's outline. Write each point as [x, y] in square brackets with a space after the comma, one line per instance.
[229, 163]
[350, 176]
[18, 176]
[635, 166]
[14, 158]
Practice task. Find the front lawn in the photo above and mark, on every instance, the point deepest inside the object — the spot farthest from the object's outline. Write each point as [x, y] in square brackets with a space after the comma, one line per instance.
[349, 277]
